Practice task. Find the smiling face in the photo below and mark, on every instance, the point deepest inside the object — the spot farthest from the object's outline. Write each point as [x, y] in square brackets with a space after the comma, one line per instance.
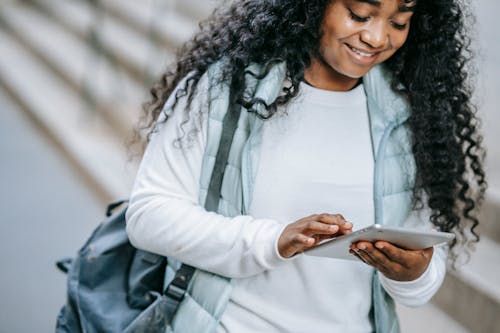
[356, 36]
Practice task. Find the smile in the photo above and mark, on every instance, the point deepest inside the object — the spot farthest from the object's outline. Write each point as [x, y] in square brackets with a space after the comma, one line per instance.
[362, 57]
[361, 53]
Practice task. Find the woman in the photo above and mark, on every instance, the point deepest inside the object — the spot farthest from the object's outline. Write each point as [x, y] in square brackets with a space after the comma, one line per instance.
[356, 108]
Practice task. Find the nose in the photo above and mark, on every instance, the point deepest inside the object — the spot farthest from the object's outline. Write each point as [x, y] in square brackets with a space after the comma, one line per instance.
[375, 35]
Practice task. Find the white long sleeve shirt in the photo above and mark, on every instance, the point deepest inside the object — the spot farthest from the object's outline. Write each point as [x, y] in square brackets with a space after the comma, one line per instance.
[316, 157]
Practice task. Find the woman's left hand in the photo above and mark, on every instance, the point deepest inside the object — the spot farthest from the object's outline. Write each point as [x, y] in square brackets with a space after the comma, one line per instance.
[394, 262]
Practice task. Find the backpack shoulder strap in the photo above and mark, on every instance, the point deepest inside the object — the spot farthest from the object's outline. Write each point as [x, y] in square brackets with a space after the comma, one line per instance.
[176, 290]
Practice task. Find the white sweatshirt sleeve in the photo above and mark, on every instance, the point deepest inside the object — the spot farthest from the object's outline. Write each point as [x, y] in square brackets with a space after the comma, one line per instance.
[420, 291]
[164, 215]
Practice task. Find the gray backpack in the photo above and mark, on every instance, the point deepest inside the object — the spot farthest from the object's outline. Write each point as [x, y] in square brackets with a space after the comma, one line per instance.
[114, 287]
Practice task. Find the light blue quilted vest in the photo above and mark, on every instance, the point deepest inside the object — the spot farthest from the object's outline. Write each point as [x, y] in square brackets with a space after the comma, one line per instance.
[208, 294]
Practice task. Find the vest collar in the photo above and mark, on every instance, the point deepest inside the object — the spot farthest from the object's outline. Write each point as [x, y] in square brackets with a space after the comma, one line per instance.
[390, 107]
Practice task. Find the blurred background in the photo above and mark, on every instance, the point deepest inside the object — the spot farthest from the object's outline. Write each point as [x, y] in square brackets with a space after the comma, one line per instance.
[73, 76]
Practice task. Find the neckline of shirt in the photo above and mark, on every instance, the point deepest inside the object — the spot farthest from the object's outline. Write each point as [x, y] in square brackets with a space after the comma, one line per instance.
[355, 96]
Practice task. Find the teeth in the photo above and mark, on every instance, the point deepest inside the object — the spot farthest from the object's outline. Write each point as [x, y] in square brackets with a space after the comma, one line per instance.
[361, 53]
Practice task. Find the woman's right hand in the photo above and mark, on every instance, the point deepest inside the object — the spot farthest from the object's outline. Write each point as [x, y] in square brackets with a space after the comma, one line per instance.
[309, 231]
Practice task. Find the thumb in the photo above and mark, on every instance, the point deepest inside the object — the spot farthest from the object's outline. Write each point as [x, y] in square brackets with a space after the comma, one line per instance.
[297, 244]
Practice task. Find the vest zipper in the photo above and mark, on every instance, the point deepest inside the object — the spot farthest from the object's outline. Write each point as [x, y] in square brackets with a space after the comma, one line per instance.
[379, 171]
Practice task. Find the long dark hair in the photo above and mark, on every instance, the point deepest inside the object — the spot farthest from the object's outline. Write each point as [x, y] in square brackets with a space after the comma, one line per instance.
[431, 70]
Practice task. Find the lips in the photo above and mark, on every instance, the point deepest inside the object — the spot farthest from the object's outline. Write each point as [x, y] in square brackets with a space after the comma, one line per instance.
[361, 53]
[361, 56]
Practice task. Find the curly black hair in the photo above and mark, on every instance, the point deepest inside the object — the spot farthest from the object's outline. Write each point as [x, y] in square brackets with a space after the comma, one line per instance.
[431, 70]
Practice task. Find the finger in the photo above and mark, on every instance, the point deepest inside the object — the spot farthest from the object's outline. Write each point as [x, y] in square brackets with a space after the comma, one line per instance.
[336, 219]
[361, 249]
[372, 262]
[296, 244]
[364, 257]
[321, 238]
[382, 261]
[357, 256]
[311, 228]
[393, 252]
[300, 241]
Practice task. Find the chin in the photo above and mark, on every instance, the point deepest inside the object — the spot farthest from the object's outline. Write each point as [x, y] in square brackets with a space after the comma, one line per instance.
[355, 74]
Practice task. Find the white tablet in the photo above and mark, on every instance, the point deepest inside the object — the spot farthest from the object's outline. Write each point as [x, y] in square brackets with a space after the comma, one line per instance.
[411, 239]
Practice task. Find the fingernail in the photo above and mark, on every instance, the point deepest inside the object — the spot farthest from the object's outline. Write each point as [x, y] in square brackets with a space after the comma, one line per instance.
[334, 228]
[362, 246]
[379, 246]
